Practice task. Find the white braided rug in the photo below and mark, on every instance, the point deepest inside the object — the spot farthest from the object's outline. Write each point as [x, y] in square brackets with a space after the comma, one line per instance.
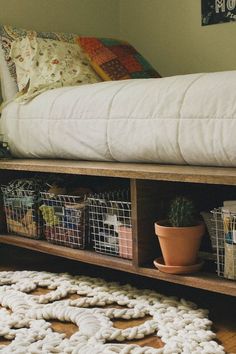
[182, 327]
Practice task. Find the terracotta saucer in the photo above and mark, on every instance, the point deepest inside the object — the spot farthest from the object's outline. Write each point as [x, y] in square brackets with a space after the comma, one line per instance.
[159, 264]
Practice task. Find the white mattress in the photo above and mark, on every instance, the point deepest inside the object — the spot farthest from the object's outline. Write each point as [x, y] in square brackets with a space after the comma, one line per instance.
[188, 119]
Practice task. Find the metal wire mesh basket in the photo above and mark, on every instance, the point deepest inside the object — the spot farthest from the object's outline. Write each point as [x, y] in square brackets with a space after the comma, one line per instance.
[110, 224]
[209, 220]
[64, 219]
[224, 228]
[21, 206]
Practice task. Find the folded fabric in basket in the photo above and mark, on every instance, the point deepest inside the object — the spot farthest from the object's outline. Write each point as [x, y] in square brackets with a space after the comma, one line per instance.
[48, 215]
[230, 261]
[229, 220]
[21, 197]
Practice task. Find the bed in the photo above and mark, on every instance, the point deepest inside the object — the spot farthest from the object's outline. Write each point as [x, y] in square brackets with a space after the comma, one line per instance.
[188, 119]
[58, 106]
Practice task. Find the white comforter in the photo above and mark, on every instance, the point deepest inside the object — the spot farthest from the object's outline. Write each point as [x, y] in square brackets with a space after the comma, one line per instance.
[188, 119]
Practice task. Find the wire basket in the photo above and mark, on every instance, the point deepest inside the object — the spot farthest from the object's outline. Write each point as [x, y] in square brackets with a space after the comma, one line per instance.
[224, 229]
[110, 224]
[209, 220]
[64, 219]
[21, 206]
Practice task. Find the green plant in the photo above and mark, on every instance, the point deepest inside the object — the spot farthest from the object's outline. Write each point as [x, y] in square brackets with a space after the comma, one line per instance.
[182, 212]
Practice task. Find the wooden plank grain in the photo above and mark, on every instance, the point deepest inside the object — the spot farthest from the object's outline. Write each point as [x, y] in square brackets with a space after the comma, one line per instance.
[201, 280]
[86, 256]
[176, 173]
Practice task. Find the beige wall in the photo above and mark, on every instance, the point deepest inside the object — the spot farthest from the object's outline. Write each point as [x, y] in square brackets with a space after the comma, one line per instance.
[169, 34]
[87, 17]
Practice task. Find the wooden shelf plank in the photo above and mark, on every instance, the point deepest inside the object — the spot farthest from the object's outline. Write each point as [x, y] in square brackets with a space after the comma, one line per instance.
[67, 252]
[201, 280]
[194, 174]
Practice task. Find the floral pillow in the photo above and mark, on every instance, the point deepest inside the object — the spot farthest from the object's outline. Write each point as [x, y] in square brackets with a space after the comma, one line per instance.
[114, 59]
[43, 64]
[8, 34]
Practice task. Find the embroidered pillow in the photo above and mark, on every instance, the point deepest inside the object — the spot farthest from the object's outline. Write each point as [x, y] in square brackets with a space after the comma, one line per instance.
[43, 64]
[8, 34]
[116, 60]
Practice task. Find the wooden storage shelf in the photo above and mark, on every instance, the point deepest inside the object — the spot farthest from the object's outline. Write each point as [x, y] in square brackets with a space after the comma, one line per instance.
[201, 280]
[194, 174]
[86, 256]
[149, 184]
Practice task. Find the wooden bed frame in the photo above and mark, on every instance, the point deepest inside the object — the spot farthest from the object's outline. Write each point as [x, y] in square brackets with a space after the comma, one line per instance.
[149, 184]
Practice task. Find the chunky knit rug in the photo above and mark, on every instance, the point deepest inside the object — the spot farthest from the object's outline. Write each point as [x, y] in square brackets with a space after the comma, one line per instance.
[182, 327]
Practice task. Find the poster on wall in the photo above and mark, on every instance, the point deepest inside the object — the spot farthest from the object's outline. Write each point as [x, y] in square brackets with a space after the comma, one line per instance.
[218, 11]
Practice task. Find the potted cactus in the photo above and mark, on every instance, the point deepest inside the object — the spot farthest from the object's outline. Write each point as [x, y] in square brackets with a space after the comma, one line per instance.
[180, 235]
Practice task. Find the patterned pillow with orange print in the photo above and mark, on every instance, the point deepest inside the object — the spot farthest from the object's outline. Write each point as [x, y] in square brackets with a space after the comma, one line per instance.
[8, 34]
[43, 64]
[114, 59]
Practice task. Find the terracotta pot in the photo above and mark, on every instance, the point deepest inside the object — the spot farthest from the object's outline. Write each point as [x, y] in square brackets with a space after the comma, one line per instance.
[179, 245]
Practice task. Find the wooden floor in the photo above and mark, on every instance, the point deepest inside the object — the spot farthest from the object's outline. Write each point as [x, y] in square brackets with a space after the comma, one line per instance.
[222, 308]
